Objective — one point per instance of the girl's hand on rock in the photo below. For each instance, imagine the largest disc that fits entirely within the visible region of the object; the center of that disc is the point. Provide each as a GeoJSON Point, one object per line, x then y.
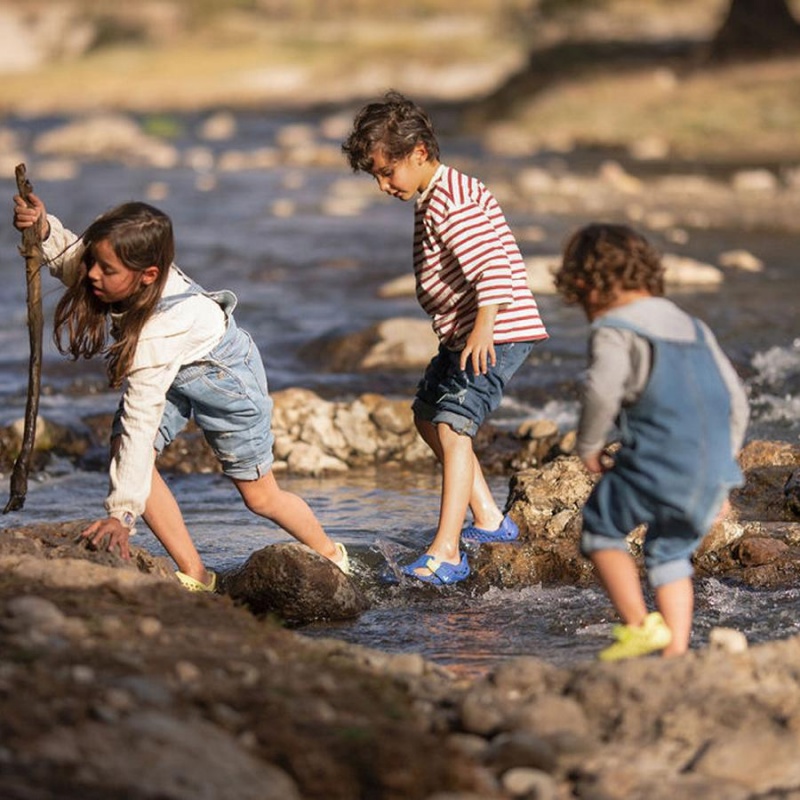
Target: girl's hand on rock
{"type": "Point", "coordinates": [109, 534]}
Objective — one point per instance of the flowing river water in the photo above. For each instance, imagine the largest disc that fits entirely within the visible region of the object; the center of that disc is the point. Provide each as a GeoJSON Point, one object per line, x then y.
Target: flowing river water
{"type": "Point", "coordinates": [305, 262]}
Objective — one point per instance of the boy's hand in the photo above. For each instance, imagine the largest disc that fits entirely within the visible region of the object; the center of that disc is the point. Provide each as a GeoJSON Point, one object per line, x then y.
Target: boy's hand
{"type": "Point", "coordinates": [108, 534]}
{"type": "Point", "coordinates": [27, 215]}
{"type": "Point", "coordinates": [481, 354]}
{"type": "Point", "coordinates": [479, 348]}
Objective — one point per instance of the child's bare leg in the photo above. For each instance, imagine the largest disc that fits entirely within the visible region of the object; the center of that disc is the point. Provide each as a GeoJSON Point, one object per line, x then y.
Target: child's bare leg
{"type": "Point", "coordinates": [675, 601]}
{"type": "Point", "coordinates": [457, 481]}
{"type": "Point", "coordinates": [264, 497]}
{"type": "Point", "coordinates": [163, 516]}
{"type": "Point", "coordinates": [620, 578]}
{"type": "Point", "coordinates": [486, 514]}
{"type": "Point", "coordinates": [485, 511]}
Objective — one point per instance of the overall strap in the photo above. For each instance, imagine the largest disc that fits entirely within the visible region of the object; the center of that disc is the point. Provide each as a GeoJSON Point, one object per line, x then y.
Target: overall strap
{"type": "Point", "coordinates": [225, 298]}
{"type": "Point", "coordinates": [611, 321]}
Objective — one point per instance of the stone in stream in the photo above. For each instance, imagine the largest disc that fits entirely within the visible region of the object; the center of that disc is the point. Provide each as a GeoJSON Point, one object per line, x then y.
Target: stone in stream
{"type": "Point", "coordinates": [296, 584]}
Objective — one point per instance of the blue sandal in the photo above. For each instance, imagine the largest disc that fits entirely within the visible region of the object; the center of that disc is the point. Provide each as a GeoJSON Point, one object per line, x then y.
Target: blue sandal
{"type": "Point", "coordinates": [507, 532]}
{"type": "Point", "coordinates": [441, 573]}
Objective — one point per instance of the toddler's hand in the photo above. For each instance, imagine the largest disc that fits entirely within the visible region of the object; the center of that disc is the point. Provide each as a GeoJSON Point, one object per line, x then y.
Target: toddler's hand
{"type": "Point", "coordinates": [593, 463]}
{"type": "Point", "coordinates": [723, 513]}
{"type": "Point", "coordinates": [601, 461]}
{"type": "Point", "coordinates": [480, 357]}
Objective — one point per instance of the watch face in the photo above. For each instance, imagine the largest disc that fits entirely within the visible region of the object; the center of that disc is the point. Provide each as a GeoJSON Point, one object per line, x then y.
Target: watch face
{"type": "Point", "coordinates": [127, 519]}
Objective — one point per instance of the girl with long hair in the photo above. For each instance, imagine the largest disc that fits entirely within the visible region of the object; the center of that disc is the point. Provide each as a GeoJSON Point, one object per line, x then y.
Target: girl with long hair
{"type": "Point", "coordinates": [178, 354]}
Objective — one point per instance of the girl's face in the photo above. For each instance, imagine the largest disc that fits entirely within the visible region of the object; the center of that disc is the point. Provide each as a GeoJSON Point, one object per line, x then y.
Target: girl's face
{"type": "Point", "coordinates": [403, 178]}
{"type": "Point", "coordinates": [110, 279]}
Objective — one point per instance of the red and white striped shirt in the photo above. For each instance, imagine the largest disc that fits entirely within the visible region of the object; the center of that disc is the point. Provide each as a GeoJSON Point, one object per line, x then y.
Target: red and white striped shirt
{"type": "Point", "coordinates": [465, 257]}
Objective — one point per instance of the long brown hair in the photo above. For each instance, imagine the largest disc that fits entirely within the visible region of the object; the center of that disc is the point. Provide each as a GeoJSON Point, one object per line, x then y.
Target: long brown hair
{"type": "Point", "coordinates": [140, 236]}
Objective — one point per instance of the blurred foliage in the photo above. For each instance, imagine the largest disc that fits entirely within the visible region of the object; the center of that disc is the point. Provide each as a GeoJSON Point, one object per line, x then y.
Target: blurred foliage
{"type": "Point", "coordinates": [204, 10]}
{"type": "Point", "coordinates": [165, 126]}
{"type": "Point", "coordinates": [560, 7]}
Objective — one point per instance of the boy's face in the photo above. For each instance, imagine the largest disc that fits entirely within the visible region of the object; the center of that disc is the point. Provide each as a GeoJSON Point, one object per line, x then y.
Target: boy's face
{"type": "Point", "coordinates": [405, 177]}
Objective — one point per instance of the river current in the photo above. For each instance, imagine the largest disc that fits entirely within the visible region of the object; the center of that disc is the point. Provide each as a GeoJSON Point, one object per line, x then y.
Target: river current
{"type": "Point", "coordinates": [306, 262]}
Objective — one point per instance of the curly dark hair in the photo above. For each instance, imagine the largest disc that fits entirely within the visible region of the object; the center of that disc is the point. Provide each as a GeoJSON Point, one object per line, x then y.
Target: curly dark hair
{"type": "Point", "coordinates": [606, 258]}
{"type": "Point", "coordinates": [395, 125]}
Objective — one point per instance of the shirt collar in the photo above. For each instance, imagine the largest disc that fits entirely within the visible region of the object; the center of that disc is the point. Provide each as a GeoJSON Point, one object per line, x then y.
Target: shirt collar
{"type": "Point", "coordinates": [433, 181]}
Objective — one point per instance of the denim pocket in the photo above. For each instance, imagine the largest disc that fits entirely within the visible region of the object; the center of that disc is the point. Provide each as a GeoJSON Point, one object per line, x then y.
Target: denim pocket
{"type": "Point", "coordinates": [510, 357]}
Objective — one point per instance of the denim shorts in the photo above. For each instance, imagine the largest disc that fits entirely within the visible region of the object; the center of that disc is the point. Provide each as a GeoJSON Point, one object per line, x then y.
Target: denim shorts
{"type": "Point", "coordinates": [460, 398]}
{"type": "Point", "coordinates": [615, 508]}
{"type": "Point", "coordinates": [226, 393]}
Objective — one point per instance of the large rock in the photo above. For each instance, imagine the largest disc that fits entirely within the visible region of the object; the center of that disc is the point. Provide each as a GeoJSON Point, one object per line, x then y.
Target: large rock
{"type": "Point", "coordinates": [108, 137]}
{"type": "Point", "coordinates": [33, 550]}
{"type": "Point", "coordinates": [296, 584]}
{"type": "Point", "coordinates": [398, 343]}
{"type": "Point", "coordinates": [757, 543]}
{"type": "Point", "coordinates": [546, 503]}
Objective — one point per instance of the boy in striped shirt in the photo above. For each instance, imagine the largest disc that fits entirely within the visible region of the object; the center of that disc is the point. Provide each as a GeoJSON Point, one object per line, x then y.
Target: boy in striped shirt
{"type": "Point", "coordinates": [471, 281]}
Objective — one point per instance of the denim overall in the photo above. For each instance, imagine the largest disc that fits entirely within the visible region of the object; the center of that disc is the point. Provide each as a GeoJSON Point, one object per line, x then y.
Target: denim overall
{"type": "Point", "coordinates": [675, 467]}
{"type": "Point", "coordinates": [226, 393]}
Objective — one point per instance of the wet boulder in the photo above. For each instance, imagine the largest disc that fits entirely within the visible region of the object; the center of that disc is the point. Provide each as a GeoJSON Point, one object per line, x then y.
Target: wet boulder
{"type": "Point", "coordinates": [50, 439]}
{"type": "Point", "coordinates": [756, 543]}
{"type": "Point", "coordinates": [294, 583]}
{"type": "Point", "coordinates": [791, 493]}
{"type": "Point", "coordinates": [393, 344]}
{"type": "Point", "coordinates": [546, 503]}
{"type": "Point", "coordinates": [771, 470]}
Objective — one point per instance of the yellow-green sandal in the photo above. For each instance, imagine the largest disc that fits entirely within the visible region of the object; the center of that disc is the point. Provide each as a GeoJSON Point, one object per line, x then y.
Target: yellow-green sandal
{"type": "Point", "coordinates": [193, 585]}
{"type": "Point", "coordinates": [344, 560]}
{"type": "Point", "coordinates": [633, 641]}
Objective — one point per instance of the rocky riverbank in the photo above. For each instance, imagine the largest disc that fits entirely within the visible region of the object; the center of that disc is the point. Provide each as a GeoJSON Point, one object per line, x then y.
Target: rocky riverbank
{"type": "Point", "coordinates": [115, 682]}
{"type": "Point", "coordinates": [757, 545]}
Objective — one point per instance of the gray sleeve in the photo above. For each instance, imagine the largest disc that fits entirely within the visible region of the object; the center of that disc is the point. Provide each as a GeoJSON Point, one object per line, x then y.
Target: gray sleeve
{"type": "Point", "coordinates": [619, 367]}
{"type": "Point", "coordinates": [740, 406]}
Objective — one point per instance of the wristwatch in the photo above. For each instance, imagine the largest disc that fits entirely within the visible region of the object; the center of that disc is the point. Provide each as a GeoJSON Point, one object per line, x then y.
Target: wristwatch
{"type": "Point", "coordinates": [126, 518]}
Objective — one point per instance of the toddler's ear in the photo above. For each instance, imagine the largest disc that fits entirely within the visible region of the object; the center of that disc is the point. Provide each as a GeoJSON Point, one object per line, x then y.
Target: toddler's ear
{"type": "Point", "coordinates": [150, 274]}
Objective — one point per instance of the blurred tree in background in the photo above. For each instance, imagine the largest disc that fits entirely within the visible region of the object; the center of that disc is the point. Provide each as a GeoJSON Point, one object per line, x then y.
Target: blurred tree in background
{"type": "Point", "coordinates": [756, 28]}
{"type": "Point", "coordinates": [750, 28]}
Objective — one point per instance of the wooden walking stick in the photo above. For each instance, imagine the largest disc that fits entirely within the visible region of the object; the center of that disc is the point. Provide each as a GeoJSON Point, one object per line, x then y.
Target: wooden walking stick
{"type": "Point", "coordinates": [31, 251]}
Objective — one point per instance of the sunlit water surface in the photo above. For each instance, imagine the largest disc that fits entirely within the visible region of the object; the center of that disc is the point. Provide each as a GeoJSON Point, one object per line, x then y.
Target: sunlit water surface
{"type": "Point", "coordinates": [315, 273]}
